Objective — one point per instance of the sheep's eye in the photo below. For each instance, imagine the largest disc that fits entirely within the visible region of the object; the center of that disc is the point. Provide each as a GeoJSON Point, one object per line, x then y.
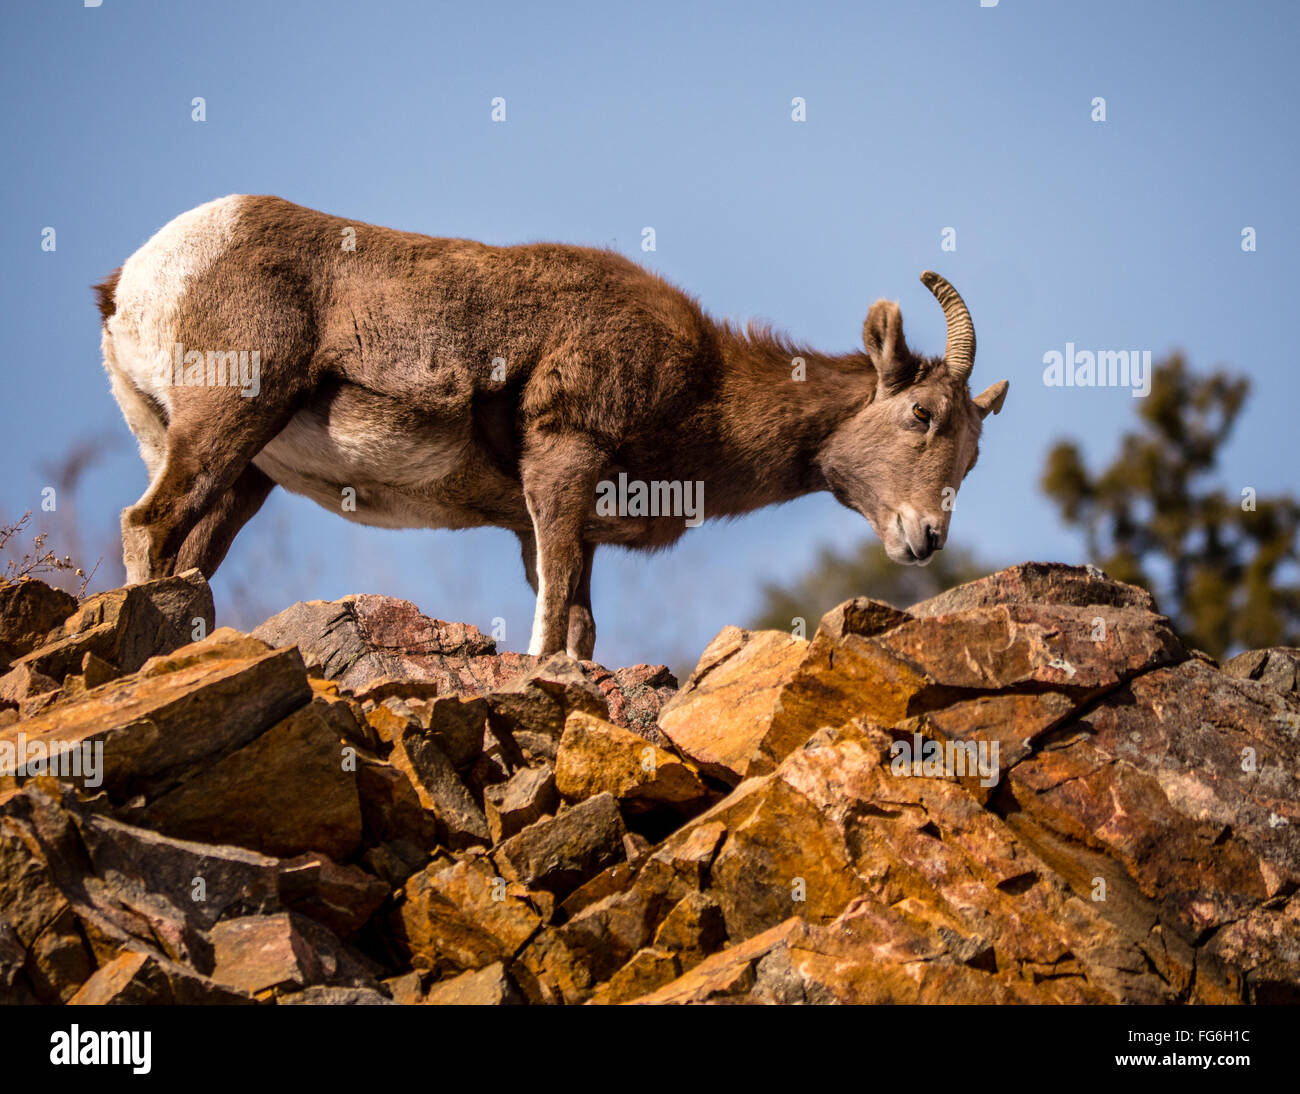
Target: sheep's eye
{"type": "Point", "coordinates": [921, 414]}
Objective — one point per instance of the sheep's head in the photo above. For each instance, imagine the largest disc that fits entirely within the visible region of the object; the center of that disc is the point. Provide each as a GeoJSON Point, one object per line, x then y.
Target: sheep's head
{"type": "Point", "coordinates": [900, 460]}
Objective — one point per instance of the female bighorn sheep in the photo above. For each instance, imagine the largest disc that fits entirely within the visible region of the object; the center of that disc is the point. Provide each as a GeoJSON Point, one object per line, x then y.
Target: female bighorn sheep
{"type": "Point", "coordinates": [408, 381]}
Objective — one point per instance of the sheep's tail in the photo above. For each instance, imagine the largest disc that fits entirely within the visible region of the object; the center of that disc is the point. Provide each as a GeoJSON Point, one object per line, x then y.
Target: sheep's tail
{"type": "Point", "coordinates": [105, 293]}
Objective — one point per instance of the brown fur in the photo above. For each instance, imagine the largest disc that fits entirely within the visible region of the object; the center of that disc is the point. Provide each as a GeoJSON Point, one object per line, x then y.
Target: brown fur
{"type": "Point", "coordinates": [608, 368]}
{"type": "Point", "coordinates": [104, 294]}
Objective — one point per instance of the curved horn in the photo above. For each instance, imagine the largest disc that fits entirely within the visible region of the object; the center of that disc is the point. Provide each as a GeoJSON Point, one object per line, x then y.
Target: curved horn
{"type": "Point", "coordinates": [960, 350]}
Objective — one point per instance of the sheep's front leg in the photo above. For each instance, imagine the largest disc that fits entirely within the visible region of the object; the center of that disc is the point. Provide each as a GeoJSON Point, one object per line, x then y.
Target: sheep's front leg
{"type": "Point", "coordinates": [559, 478]}
{"type": "Point", "coordinates": [581, 642]}
{"type": "Point", "coordinates": [582, 624]}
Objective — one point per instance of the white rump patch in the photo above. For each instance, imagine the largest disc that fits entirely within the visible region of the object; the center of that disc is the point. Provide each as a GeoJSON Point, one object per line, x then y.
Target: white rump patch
{"type": "Point", "coordinates": [151, 287]}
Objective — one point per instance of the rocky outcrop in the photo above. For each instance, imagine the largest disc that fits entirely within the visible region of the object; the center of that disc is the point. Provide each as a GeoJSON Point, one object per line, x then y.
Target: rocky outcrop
{"type": "Point", "coordinates": [1024, 790]}
{"type": "Point", "coordinates": [372, 645]}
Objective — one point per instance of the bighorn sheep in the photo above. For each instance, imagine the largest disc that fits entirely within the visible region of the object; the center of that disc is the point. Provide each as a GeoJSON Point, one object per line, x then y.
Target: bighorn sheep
{"type": "Point", "coordinates": [408, 381]}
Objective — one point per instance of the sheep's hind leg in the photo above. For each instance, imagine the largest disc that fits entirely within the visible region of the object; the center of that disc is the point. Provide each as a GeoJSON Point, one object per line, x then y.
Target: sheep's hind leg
{"type": "Point", "coordinates": [211, 442]}
{"type": "Point", "coordinates": [206, 545]}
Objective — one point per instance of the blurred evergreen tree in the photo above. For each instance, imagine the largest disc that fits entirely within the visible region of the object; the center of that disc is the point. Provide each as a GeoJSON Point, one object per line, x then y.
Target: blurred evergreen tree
{"type": "Point", "coordinates": [1216, 560]}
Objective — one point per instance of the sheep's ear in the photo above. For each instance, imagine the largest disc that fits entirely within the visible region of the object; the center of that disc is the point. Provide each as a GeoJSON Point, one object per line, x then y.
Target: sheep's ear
{"type": "Point", "coordinates": [990, 400]}
{"type": "Point", "coordinates": [882, 335]}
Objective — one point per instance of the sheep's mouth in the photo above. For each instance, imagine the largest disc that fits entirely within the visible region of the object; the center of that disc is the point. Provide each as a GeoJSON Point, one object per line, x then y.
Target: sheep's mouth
{"type": "Point", "coordinates": [907, 556]}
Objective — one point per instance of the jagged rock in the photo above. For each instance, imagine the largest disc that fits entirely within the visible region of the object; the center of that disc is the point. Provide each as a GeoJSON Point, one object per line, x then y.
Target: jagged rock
{"type": "Point", "coordinates": [22, 684]}
{"type": "Point", "coordinates": [636, 695]}
{"type": "Point", "coordinates": [154, 727]}
{"type": "Point", "coordinates": [609, 882]}
{"type": "Point", "coordinates": [933, 875]}
{"type": "Point", "coordinates": [596, 756]}
{"type": "Point", "coordinates": [681, 864]}
{"type": "Point", "coordinates": [461, 726]}
{"type": "Point", "coordinates": [287, 792]}
{"type": "Point", "coordinates": [1039, 583]}
{"type": "Point", "coordinates": [361, 640]}
{"type": "Point", "coordinates": [861, 616]}
{"type": "Point", "coordinates": [727, 976]}
{"type": "Point", "coordinates": [258, 953]}
{"type": "Point", "coordinates": [79, 889]}
{"type": "Point", "coordinates": [340, 897]}
{"type": "Point", "coordinates": [391, 807]}
{"type": "Point", "coordinates": [532, 709]}
{"type": "Point", "coordinates": [394, 687]}
{"type": "Point", "coordinates": [223, 644]}
{"type": "Point", "coordinates": [406, 990]}
{"type": "Point", "coordinates": [395, 861]}
{"type": "Point", "coordinates": [462, 915]}
{"type": "Point", "coordinates": [636, 847]}
{"type": "Point", "coordinates": [320, 995]}
{"type": "Point", "coordinates": [781, 690]}
{"type": "Point", "coordinates": [1277, 668]}
{"type": "Point", "coordinates": [1265, 945]}
{"type": "Point", "coordinates": [140, 978]}
{"type": "Point", "coordinates": [125, 627]}
{"type": "Point", "coordinates": [40, 920]}
{"type": "Point", "coordinates": [567, 962]}
{"type": "Point", "coordinates": [1015, 721]}
{"type": "Point", "coordinates": [207, 882]}
{"type": "Point", "coordinates": [1189, 779]}
{"type": "Point", "coordinates": [736, 684]}
{"type": "Point", "coordinates": [798, 962]}
{"type": "Point", "coordinates": [488, 987]}
{"type": "Point", "coordinates": [513, 805]}
{"type": "Point", "coordinates": [233, 881]}
{"type": "Point", "coordinates": [1078, 651]}
{"type": "Point", "coordinates": [458, 725]}
{"type": "Point", "coordinates": [378, 647]}
{"type": "Point", "coordinates": [14, 991]}
{"type": "Point", "coordinates": [648, 969]}
{"type": "Point", "coordinates": [274, 954]}
{"type": "Point", "coordinates": [560, 853]}
{"type": "Point", "coordinates": [30, 610]}
{"type": "Point", "coordinates": [757, 696]}
{"type": "Point", "coordinates": [94, 671]}
{"type": "Point", "coordinates": [420, 757]}
{"type": "Point", "coordinates": [693, 929]}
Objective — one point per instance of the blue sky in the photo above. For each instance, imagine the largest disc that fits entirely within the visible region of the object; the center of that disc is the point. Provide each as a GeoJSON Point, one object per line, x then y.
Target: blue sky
{"type": "Point", "coordinates": [920, 116]}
